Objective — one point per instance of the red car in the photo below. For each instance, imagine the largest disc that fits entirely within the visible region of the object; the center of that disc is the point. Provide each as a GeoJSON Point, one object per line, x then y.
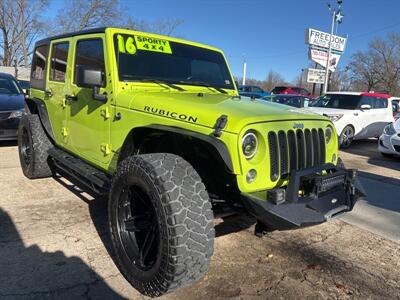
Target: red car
{"type": "Point", "coordinates": [292, 90]}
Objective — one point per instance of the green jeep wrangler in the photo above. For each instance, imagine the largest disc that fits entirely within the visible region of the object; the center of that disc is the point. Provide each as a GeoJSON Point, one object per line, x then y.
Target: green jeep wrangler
{"type": "Point", "coordinates": [157, 124]}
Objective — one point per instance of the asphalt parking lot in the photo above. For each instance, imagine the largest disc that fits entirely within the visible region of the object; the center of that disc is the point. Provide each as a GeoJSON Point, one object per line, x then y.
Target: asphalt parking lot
{"type": "Point", "coordinates": [54, 244]}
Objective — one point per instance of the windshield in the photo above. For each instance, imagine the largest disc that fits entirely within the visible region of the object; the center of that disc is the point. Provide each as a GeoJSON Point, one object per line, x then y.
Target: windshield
{"type": "Point", "coordinates": [288, 100]}
{"type": "Point", "coordinates": [278, 89]}
{"type": "Point", "coordinates": [143, 58]}
{"type": "Point", "coordinates": [24, 84]}
{"type": "Point", "coordinates": [9, 86]}
{"type": "Point", "coordinates": [295, 101]}
{"type": "Point", "coordinates": [338, 101]}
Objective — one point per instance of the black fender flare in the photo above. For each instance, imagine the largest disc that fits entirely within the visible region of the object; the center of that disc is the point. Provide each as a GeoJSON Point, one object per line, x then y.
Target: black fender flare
{"type": "Point", "coordinates": [217, 144]}
{"type": "Point", "coordinates": [37, 106]}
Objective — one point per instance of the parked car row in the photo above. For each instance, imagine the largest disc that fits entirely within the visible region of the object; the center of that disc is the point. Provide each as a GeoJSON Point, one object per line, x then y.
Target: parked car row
{"type": "Point", "coordinates": [11, 106]}
{"type": "Point", "coordinates": [257, 92]}
{"type": "Point", "coordinates": [291, 100]}
{"type": "Point", "coordinates": [356, 116]}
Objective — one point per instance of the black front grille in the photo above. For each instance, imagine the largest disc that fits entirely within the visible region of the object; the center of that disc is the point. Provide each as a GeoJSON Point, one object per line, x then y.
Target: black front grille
{"type": "Point", "coordinates": [4, 115]}
{"type": "Point", "coordinates": [397, 148]}
{"type": "Point", "coordinates": [295, 150]}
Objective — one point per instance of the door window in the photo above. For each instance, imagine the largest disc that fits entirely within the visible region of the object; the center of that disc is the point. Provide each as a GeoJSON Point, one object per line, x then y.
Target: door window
{"type": "Point", "coordinates": [39, 67]}
{"type": "Point", "coordinates": [380, 103]}
{"type": "Point", "coordinates": [90, 53]}
{"type": "Point", "coordinates": [59, 56]}
{"type": "Point", "coordinates": [366, 100]}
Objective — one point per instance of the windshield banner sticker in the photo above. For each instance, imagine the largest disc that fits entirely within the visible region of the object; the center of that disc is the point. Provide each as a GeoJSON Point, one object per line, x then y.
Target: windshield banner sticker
{"type": "Point", "coordinates": [152, 44]}
{"type": "Point", "coordinates": [127, 44]}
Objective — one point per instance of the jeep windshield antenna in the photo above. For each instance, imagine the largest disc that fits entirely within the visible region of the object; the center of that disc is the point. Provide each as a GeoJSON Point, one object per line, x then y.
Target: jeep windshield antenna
{"type": "Point", "coordinates": [205, 84]}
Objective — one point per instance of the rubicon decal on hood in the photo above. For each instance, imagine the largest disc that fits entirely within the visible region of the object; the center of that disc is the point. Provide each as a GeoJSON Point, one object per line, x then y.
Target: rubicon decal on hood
{"type": "Point", "coordinates": [170, 114]}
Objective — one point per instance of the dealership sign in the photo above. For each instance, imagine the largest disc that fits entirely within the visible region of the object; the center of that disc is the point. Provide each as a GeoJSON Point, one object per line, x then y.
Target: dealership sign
{"type": "Point", "coordinates": [316, 76]}
{"type": "Point", "coordinates": [321, 56]}
{"type": "Point", "coordinates": [321, 39]}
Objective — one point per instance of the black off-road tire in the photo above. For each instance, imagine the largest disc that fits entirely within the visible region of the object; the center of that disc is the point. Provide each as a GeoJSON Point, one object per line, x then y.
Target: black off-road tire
{"type": "Point", "coordinates": [33, 144]}
{"type": "Point", "coordinates": [160, 195]}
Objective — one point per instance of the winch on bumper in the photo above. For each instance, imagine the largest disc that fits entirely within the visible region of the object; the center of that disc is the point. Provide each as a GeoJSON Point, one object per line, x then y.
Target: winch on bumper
{"type": "Point", "coordinates": [312, 196]}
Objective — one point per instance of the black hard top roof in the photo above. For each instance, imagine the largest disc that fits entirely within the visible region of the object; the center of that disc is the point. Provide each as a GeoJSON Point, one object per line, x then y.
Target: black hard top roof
{"type": "Point", "coordinates": [70, 34]}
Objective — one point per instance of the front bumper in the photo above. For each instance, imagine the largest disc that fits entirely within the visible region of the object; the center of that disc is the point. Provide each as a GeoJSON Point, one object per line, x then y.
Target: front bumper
{"type": "Point", "coordinates": [312, 197]}
{"type": "Point", "coordinates": [9, 129]}
{"type": "Point", "coordinates": [389, 144]}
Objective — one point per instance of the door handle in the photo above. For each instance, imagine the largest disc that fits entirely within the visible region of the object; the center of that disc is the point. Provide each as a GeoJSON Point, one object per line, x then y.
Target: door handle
{"type": "Point", "coordinates": [48, 93]}
{"type": "Point", "coordinates": [71, 98]}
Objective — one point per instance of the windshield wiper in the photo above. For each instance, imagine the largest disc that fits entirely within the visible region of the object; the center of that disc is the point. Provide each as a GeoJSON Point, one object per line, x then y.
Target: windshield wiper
{"type": "Point", "coordinates": [161, 82]}
{"type": "Point", "coordinates": [205, 84]}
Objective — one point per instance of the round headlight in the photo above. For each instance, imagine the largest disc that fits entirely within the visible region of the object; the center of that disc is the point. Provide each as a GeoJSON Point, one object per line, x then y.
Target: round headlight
{"type": "Point", "coordinates": [328, 134]}
{"type": "Point", "coordinates": [249, 145]}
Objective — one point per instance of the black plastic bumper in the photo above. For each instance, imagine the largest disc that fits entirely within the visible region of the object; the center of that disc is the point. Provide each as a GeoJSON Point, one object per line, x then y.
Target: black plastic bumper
{"type": "Point", "coordinates": [312, 197]}
{"type": "Point", "coordinates": [9, 129]}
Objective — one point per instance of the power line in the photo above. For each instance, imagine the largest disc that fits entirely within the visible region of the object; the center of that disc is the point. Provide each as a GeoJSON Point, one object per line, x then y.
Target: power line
{"type": "Point", "coordinates": [268, 56]}
{"type": "Point", "coordinates": [375, 31]}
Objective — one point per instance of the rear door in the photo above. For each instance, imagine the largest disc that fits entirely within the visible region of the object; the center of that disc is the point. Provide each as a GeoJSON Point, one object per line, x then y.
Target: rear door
{"type": "Point", "coordinates": [57, 87]}
{"type": "Point", "coordinates": [366, 119]}
{"type": "Point", "coordinates": [383, 113]}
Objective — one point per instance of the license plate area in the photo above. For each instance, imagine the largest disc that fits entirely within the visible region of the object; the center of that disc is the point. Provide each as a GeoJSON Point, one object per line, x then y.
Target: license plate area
{"type": "Point", "coordinates": [329, 201]}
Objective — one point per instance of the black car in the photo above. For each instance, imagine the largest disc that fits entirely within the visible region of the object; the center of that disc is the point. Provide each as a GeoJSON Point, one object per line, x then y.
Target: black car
{"type": "Point", "coordinates": [11, 106]}
{"type": "Point", "coordinates": [291, 100]}
{"type": "Point", "coordinates": [24, 84]}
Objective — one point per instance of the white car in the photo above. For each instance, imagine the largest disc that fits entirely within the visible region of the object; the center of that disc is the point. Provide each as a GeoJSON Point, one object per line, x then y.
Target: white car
{"type": "Point", "coordinates": [356, 115]}
{"type": "Point", "coordinates": [389, 141]}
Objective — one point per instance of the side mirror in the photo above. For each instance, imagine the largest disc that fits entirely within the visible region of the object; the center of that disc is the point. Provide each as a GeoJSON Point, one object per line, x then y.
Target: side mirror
{"type": "Point", "coordinates": [88, 77]}
{"type": "Point", "coordinates": [365, 106]}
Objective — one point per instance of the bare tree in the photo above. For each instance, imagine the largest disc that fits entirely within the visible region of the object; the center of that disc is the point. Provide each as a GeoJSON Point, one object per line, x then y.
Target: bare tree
{"type": "Point", "coordinates": [77, 15]}
{"type": "Point", "coordinates": [19, 28]}
{"type": "Point", "coordinates": [377, 68]}
{"type": "Point", "coordinates": [165, 26]}
{"type": "Point", "coordinates": [272, 80]}
{"type": "Point", "coordinates": [340, 81]}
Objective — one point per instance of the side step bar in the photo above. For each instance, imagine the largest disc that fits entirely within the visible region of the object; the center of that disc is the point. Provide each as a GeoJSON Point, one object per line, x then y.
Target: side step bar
{"type": "Point", "coordinates": [94, 179]}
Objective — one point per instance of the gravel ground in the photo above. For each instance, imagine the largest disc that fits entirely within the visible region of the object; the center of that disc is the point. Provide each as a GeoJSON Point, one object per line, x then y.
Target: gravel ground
{"type": "Point", "coordinates": [54, 244]}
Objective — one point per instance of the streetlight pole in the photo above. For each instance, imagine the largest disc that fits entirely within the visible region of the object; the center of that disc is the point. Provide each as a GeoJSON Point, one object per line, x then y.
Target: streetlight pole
{"type": "Point", "coordinates": [301, 78]}
{"type": "Point", "coordinates": [336, 17]}
{"type": "Point", "coordinates": [329, 53]}
{"type": "Point", "coordinates": [244, 72]}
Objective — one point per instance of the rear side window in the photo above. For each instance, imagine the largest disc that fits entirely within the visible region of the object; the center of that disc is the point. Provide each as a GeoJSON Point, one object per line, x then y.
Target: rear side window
{"type": "Point", "coordinates": [375, 102]}
{"type": "Point", "coordinates": [380, 103]}
{"type": "Point", "coordinates": [38, 70]}
{"type": "Point", "coordinates": [90, 53]}
{"type": "Point", "coordinates": [59, 56]}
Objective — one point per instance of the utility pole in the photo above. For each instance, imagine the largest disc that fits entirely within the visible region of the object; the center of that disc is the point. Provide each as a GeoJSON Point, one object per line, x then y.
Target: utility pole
{"type": "Point", "coordinates": [244, 72]}
{"type": "Point", "coordinates": [336, 17]}
{"type": "Point", "coordinates": [301, 78]}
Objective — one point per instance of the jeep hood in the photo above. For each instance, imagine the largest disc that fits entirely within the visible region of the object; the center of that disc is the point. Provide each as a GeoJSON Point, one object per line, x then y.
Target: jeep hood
{"type": "Point", "coordinates": [204, 109]}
